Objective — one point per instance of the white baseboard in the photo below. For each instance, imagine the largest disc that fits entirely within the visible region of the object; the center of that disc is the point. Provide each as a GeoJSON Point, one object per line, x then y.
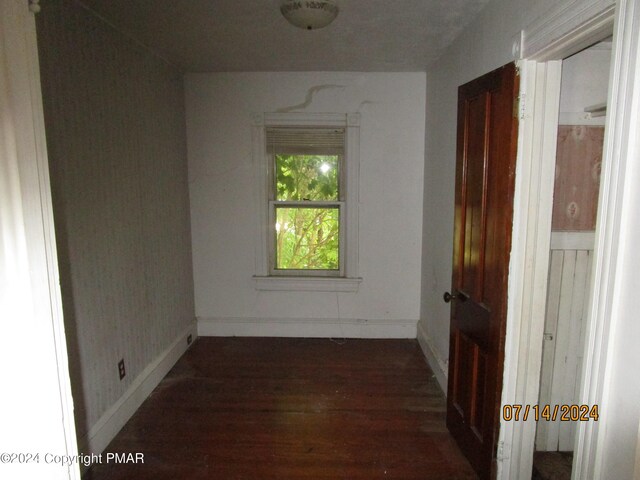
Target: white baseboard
{"type": "Point", "coordinates": [108, 426]}
{"type": "Point", "coordinates": [435, 361]}
{"type": "Point", "coordinates": [306, 328]}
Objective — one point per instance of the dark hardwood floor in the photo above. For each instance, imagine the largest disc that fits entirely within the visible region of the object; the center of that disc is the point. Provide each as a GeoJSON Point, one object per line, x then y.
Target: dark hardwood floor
{"type": "Point", "coordinates": [258, 409]}
{"type": "Point", "coordinates": [552, 465]}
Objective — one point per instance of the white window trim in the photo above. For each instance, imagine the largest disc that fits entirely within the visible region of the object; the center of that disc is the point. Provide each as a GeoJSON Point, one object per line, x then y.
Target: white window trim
{"type": "Point", "coordinates": [351, 123]}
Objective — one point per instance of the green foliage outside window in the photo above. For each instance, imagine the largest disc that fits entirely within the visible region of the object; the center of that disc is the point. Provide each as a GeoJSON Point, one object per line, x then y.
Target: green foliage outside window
{"type": "Point", "coordinates": [307, 237]}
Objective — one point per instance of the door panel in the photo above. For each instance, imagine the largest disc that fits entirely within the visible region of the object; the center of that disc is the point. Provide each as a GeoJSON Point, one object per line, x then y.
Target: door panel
{"type": "Point", "coordinates": [485, 172]}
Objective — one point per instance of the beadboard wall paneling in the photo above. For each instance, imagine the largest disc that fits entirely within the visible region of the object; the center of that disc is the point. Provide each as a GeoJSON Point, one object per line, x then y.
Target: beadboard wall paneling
{"type": "Point", "coordinates": [562, 352]}
{"type": "Point", "coordinates": [115, 127]}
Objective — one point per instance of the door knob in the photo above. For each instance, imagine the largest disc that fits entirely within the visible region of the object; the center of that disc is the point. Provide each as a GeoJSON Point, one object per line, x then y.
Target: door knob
{"type": "Point", "coordinates": [453, 296]}
{"type": "Point", "coordinates": [448, 297]}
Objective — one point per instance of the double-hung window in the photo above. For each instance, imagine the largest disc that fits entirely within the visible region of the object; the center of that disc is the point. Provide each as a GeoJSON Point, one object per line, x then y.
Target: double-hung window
{"type": "Point", "coordinates": [307, 186]}
{"type": "Point", "coordinates": [306, 201]}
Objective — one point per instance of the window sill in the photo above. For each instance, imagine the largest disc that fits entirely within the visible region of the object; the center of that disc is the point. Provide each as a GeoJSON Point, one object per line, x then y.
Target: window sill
{"type": "Point", "coordinates": [307, 284]}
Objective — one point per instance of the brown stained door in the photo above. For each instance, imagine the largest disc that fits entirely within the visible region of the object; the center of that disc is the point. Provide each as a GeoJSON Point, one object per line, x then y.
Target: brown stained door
{"type": "Point", "coordinates": [485, 172]}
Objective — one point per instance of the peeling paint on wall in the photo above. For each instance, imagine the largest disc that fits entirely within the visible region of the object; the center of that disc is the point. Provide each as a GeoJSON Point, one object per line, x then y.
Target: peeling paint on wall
{"type": "Point", "coordinates": [309, 98]}
{"type": "Point", "coordinates": [365, 103]}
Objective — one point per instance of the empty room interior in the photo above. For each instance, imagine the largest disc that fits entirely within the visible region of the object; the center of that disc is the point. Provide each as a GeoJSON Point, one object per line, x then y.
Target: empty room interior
{"type": "Point", "coordinates": [343, 239]}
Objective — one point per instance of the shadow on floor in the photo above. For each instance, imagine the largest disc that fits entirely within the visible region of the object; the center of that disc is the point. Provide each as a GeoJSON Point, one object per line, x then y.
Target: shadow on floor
{"type": "Point", "coordinates": [552, 465]}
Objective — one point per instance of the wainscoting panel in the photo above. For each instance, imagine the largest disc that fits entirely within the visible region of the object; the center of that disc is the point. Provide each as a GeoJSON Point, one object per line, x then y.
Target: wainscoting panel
{"type": "Point", "coordinates": [569, 274]}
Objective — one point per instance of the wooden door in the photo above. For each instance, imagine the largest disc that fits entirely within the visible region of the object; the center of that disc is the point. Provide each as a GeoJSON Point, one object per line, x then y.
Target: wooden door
{"type": "Point", "coordinates": [485, 172]}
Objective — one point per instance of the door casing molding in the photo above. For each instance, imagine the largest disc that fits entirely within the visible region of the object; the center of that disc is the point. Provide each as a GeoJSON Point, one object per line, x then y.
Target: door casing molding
{"type": "Point", "coordinates": [567, 31]}
{"type": "Point", "coordinates": [535, 168]}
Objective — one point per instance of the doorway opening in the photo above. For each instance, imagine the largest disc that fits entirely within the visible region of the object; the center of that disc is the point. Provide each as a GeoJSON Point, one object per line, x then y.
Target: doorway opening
{"type": "Point", "coordinates": [581, 126]}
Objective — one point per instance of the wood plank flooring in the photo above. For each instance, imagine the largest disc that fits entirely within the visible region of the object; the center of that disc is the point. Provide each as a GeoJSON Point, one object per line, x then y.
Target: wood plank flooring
{"type": "Point", "coordinates": [282, 408]}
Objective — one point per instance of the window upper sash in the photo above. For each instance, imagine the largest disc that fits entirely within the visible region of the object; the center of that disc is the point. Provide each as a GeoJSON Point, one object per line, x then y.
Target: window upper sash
{"type": "Point", "coordinates": [305, 141]}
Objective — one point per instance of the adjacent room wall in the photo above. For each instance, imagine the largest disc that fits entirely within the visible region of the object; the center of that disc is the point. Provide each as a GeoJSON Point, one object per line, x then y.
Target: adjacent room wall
{"type": "Point", "coordinates": [575, 202]}
{"type": "Point", "coordinates": [220, 109]}
{"type": "Point", "coordinates": [585, 81]}
{"type": "Point", "coordinates": [585, 78]}
{"type": "Point", "coordinates": [116, 140]}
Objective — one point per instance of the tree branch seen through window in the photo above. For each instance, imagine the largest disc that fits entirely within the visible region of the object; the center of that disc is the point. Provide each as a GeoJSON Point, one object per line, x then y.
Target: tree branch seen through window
{"type": "Point", "coordinates": [307, 212]}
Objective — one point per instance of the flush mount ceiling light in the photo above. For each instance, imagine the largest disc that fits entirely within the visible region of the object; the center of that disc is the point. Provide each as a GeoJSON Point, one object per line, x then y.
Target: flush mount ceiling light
{"type": "Point", "coordinates": [309, 14]}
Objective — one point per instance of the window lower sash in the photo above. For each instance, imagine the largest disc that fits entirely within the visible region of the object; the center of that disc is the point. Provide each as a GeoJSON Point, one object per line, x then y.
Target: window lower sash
{"type": "Point", "coordinates": [301, 251]}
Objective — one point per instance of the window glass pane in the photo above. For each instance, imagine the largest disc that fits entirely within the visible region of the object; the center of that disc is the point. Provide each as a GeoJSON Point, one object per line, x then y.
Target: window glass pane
{"type": "Point", "coordinates": [307, 238]}
{"type": "Point", "coordinates": [306, 177]}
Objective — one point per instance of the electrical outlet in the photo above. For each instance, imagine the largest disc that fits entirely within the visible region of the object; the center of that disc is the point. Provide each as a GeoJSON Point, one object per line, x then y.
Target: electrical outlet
{"type": "Point", "coordinates": [122, 372]}
{"type": "Point", "coordinates": [189, 339]}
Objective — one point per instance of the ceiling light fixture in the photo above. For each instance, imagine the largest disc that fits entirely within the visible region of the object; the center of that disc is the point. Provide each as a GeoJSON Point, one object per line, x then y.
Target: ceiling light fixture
{"type": "Point", "coordinates": [309, 14]}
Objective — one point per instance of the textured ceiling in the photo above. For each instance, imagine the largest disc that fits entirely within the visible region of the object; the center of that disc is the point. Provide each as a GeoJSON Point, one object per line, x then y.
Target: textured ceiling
{"type": "Point", "coordinates": [252, 35]}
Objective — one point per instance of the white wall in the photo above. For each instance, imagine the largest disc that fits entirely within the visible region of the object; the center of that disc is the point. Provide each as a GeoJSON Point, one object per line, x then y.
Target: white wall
{"type": "Point", "coordinates": [116, 140]}
{"type": "Point", "coordinates": [585, 81]}
{"type": "Point", "coordinates": [224, 212]}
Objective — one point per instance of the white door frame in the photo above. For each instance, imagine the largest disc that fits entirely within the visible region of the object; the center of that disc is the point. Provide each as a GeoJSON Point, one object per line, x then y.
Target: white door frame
{"type": "Point", "coordinates": [36, 326]}
{"type": "Point", "coordinates": [565, 30]}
